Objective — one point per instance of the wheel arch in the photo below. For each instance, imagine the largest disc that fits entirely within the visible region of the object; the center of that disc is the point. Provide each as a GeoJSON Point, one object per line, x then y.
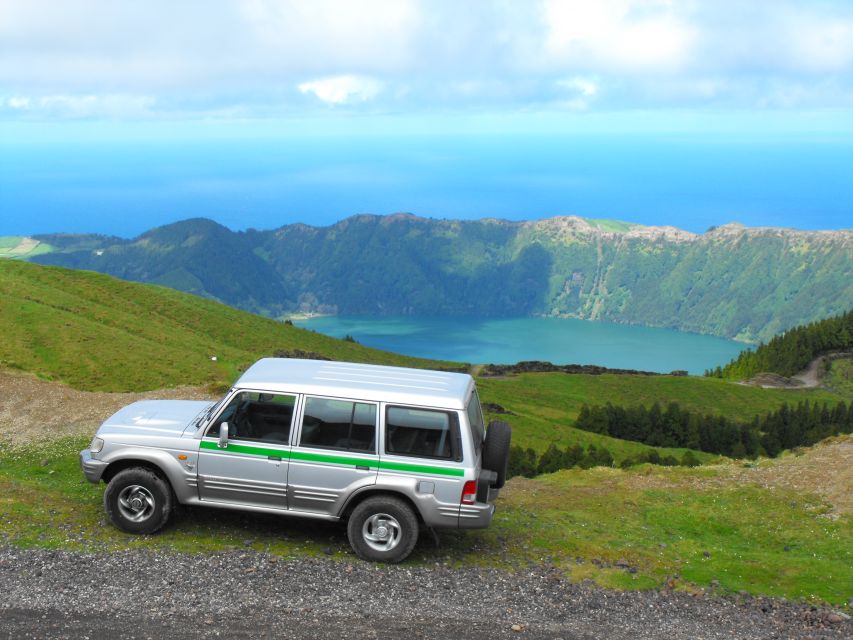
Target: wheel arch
{"type": "Point", "coordinates": [372, 492]}
{"type": "Point", "coordinates": [114, 468]}
{"type": "Point", "coordinates": [159, 462]}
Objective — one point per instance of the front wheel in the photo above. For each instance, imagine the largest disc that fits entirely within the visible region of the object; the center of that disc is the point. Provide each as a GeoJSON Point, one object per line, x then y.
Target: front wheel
{"type": "Point", "coordinates": [137, 500]}
{"type": "Point", "coordinates": [383, 529]}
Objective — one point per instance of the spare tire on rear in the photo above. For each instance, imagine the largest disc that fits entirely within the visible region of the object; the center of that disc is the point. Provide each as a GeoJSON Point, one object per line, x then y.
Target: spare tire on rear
{"type": "Point", "coordinates": [496, 450]}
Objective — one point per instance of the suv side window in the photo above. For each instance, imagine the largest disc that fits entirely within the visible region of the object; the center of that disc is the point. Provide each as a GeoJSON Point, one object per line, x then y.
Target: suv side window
{"type": "Point", "coordinates": [475, 419]}
{"type": "Point", "coordinates": [425, 433]}
{"type": "Point", "coordinates": [339, 424]}
{"type": "Point", "coordinates": [263, 417]}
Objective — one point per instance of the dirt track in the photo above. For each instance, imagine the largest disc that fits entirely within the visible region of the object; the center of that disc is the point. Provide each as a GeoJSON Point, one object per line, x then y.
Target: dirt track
{"type": "Point", "coordinates": [33, 410]}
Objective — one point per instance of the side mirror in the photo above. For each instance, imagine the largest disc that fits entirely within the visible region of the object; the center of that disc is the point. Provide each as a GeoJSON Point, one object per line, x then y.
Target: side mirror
{"type": "Point", "coordinates": [223, 435]}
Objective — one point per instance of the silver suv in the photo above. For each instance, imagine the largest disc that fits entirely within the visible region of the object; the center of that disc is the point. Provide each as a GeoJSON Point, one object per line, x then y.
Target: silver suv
{"type": "Point", "coordinates": [384, 449]}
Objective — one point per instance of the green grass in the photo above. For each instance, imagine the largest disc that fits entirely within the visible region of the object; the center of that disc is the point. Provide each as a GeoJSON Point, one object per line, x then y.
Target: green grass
{"type": "Point", "coordinates": [9, 242]}
{"type": "Point", "coordinates": [689, 523]}
{"type": "Point", "coordinates": [839, 378]}
{"type": "Point", "coordinates": [16, 247]}
{"type": "Point", "coordinates": [547, 404]}
{"type": "Point", "coordinates": [606, 224]}
{"type": "Point", "coordinates": [661, 521]}
{"type": "Point", "coordinates": [95, 332]}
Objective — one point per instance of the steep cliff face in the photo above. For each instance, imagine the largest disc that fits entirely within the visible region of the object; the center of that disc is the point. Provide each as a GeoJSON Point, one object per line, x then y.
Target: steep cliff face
{"type": "Point", "coordinates": [748, 283]}
{"type": "Point", "coordinates": [735, 281]}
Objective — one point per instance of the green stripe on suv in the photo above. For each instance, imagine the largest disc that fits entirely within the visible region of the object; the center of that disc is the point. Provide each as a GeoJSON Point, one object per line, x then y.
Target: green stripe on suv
{"type": "Point", "coordinates": [331, 459]}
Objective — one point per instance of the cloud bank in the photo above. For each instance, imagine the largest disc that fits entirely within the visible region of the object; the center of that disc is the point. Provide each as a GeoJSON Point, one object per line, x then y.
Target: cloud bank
{"type": "Point", "coordinates": [108, 59]}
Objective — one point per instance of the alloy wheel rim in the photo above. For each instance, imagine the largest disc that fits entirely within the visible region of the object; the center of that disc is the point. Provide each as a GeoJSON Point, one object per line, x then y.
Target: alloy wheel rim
{"type": "Point", "coordinates": [136, 503]}
{"type": "Point", "coordinates": [381, 532]}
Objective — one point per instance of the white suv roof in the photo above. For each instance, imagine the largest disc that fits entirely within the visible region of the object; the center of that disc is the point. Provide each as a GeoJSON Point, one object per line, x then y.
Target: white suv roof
{"type": "Point", "coordinates": [359, 381]}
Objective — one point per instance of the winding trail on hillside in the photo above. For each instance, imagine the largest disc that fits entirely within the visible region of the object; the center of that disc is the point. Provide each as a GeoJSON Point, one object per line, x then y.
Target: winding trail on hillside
{"type": "Point", "coordinates": [808, 378]}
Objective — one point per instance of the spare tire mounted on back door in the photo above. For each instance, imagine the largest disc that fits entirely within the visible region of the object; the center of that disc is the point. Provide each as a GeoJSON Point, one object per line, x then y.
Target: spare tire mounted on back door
{"type": "Point", "coordinates": [496, 450]}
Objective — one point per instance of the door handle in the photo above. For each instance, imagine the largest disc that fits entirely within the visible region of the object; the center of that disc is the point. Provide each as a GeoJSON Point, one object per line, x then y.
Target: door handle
{"type": "Point", "coordinates": [274, 458]}
{"type": "Point", "coordinates": [362, 467]}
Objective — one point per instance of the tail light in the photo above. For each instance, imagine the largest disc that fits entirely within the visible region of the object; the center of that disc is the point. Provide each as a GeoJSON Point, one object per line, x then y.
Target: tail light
{"type": "Point", "coordinates": [469, 492]}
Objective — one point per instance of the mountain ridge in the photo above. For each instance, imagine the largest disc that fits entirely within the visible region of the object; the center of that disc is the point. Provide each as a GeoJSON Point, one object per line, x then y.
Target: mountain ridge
{"type": "Point", "coordinates": [747, 283]}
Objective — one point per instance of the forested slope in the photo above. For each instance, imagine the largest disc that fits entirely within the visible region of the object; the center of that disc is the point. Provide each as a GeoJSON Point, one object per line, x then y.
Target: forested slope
{"type": "Point", "coordinates": [788, 353]}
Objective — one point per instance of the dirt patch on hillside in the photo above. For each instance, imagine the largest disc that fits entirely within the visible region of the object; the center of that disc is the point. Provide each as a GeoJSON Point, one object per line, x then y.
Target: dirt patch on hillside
{"type": "Point", "coordinates": [825, 469]}
{"type": "Point", "coordinates": [33, 410]}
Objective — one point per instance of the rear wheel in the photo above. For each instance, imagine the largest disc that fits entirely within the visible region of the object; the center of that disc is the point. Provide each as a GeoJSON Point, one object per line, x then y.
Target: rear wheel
{"type": "Point", "coordinates": [383, 529]}
{"type": "Point", "coordinates": [137, 500]}
{"type": "Point", "coordinates": [496, 450]}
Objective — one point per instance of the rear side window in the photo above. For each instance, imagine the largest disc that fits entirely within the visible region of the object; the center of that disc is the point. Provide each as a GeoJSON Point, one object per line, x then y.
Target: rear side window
{"type": "Point", "coordinates": [475, 419]}
{"type": "Point", "coordinates": [339, 424]}
{"type": "Point", "coordinates": [421, 432]}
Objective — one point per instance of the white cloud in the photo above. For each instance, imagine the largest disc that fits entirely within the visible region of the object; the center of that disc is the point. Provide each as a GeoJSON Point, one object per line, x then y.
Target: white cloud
{"type": "Point", "coordinates": [343, 89]}
{"type": "Point", "coordinates": [323, 35]}
{"type": "Point", "coordinates": [580, 91]}
{"type": "Point", "coordinates": [821, 45]}
{"type": "Point", "coordinates": [585, 87]}
{"type": "Point", "coordinates": [82, 106]}
{"type": "Point", "coordinates": [253, 58]}
{"type": "Point", "coordinates": [617, 34]}
{"type": "Point", "coordinates": [18, 102]}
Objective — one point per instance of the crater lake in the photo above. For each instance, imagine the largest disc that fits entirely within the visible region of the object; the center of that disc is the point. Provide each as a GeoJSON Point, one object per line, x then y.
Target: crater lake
{"type": "Point", "coordinates": [510, 340]}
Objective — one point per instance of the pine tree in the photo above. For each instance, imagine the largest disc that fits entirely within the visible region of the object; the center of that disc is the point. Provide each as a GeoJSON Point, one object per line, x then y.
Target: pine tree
{"type": "Point", "coordinates": [551, 460]}
{"type": "Point", "coordinates": [689, 459]}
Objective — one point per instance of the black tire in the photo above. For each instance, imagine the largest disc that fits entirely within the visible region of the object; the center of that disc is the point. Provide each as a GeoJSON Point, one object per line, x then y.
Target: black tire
{"type": "Point", "coordinates": [137, 500]}
{"type": "Point", "coordinates": [496, 450]}
{"type": "Point", "coordinates": [383, 529]}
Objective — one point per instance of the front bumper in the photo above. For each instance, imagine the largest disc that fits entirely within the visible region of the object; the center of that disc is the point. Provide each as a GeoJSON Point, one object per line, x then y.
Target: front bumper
{"type": "Point", "coordinates": [92, 469]}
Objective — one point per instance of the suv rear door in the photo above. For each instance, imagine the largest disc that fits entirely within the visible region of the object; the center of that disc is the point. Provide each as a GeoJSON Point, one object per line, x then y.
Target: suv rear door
{"type": "Point", "coordinates": [335, 454]}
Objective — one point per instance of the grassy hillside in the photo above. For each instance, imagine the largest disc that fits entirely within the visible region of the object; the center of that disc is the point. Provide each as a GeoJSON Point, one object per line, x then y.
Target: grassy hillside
{"type": "Point", "coordinates": [546, 404]}
{"type": "Point", "coordinates": [98, 333]}
{"type": "Point", "coordinates": [22, 247]}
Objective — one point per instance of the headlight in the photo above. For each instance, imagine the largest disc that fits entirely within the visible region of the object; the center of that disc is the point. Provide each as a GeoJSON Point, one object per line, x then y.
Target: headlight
{"type": "Point", "coordinates": [96, 445]}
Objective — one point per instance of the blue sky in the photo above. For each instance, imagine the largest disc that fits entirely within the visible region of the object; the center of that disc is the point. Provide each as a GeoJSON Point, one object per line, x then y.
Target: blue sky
{"type": "Point", "coordinates": [330, 64]}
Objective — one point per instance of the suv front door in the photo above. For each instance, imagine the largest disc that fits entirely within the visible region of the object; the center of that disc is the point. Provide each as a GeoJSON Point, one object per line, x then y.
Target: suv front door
{"type": "Point", "coordinates": [252, 468]}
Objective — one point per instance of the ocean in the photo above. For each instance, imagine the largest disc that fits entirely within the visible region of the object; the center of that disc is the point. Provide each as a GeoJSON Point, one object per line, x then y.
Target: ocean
{"type": "Point", "coordinates": [125, 188]}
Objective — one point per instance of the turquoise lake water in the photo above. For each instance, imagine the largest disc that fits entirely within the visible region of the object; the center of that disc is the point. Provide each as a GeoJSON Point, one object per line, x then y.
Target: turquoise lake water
{"type": "Point", "coordinates": [509, 340]}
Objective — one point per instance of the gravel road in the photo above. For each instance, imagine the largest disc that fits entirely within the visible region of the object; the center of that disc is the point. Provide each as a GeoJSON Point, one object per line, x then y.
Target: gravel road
{"type": "Point", "coordinates": [138, 594]}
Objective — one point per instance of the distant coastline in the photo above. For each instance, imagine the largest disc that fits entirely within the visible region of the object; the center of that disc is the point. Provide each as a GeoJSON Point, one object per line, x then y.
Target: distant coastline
{"type": "Point", "coordinates": [307, 315]}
